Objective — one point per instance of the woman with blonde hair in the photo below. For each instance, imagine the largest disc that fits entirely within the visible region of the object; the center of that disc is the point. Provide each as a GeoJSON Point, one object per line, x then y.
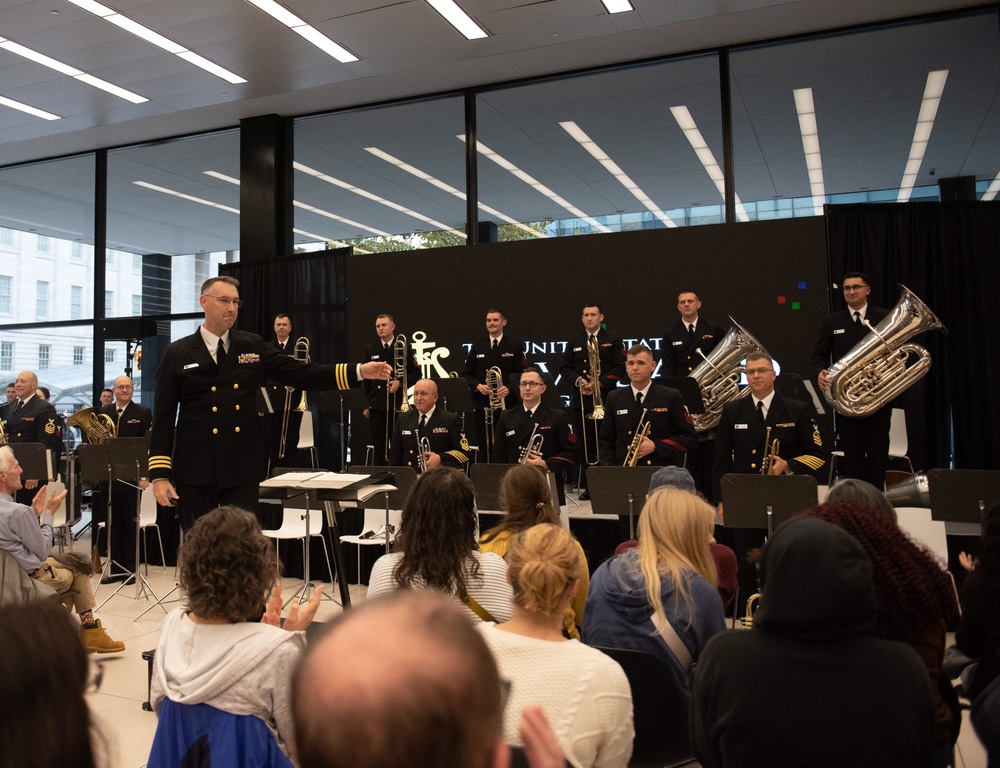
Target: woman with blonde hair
{"type": "Point", "coordinates": [585, 694]}
{"type": "Point", "coordinates": [660, 597]}
{"type": "Point", "coordinates": [526, 500]}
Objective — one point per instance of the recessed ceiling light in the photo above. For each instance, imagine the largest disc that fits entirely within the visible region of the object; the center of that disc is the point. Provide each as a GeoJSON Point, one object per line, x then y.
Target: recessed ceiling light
{"type": "Point", "coordinates": [189, 198]}
{"type": "Point", "coordinates": [150, 36]}
{"type": "Point", "coordinates": [458, 18]}
{"type": "Point", "coordinates": [617, 6]}
{"type": "Point", "coordinates": [30, 110]}
{"type": "Point", "coordinates": [809, 131]}
{"type": "Point", "coordinates": [302, 28]}
{"type": "Point", "coordinates": [933, 89]}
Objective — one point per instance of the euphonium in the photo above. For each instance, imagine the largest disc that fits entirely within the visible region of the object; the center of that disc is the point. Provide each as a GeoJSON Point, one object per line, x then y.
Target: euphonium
{"type": "Point", "coordinates": [641, 432]}
{"type": "Point", "coordinates": [718, 375]}
{"type": "Point", "coordinates": [533, 447]}
{"type": "Point", "coordinates": [875, 371]}
{"type": "Point", "coordinates": [594, 359]}
{"type": "Point", "coordinates": [98, 427]}
{"type": "Point", "coordinates": [399, 369]}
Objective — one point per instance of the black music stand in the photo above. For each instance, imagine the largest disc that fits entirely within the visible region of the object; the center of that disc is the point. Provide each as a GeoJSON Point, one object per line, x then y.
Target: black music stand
{"type": "Point", "coordinates": [342, 402]}
{"type": "Point", "coordinates": [455, 394]}
{"type": "Point", "coordinates": [486, 480]}
{"type": "Point", "coordinates": [33, 460]}
{"type": "Point", "coordinates": [962, 495]}
{"type": "Point", "coordinates": [619, 491]}
{"type": "Point", "coordinates": [689, 389]}
{"type": "Point", "coordinates": [95, 468]}
{"type": "Point", "coordinates": [765, 501]}
{"type": "Point", "coordinates": [129, 457]}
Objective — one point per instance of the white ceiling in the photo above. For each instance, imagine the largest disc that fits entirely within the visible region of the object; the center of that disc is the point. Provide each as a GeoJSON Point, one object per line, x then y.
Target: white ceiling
{"type": "Point", "coordinates": [870, 94]}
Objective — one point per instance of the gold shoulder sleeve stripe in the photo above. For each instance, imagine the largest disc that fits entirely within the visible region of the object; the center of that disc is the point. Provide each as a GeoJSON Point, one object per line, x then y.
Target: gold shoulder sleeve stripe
{"type": "Point", "coordinates": [458, 456]}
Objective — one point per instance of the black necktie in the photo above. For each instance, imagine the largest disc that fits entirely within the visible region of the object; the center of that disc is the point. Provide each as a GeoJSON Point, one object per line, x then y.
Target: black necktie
{"type": "Point", "coordinates": [857, 317]}
{"type": "Point", "coordinates": [120, 413]}
{"type": "Point", "coordinates": [691, 329]}
{"type": "Point", "coordinates": [17, 407]}
{"type": "Point", "coordinates": [385, 347]}
{"type": "Point", "coordinates": [760, 410]}
{"type": "Point", "coordinates": [638, 398]}
{"type": "Point", "coordinates": [282, 344]}
{"type": "Point", "coordinates": [528, 414]}
{"type": "Point", "coordinates": [495, 343]}
{"type": "Point", "coordinates": [220, 354]}
{"type": "Point", "coordinates": [423, 422]}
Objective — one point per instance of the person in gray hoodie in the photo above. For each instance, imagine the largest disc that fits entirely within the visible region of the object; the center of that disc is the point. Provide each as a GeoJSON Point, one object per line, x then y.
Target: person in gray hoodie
{"type": "Point", "coordinates": [810, 685]}
{"type": "Point", "coordinates": [214, 650]}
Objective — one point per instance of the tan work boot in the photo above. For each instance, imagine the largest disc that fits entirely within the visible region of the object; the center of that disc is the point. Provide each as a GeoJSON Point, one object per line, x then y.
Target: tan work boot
{"type": "Point", "coordinates": [97, 640]}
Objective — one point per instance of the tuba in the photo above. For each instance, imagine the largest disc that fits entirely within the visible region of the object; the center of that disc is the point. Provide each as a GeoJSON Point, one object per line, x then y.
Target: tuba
{"type": "Point", "coordinates": [718, 375]}
{"type": "Point", "coordinates": [97, 427]}
{"type": "Point", "coordinates": [875, 371]}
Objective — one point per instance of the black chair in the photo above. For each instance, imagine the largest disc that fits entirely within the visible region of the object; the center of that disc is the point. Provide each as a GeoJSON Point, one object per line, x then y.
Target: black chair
{"type": "Point", "coordinates": [661, 720]}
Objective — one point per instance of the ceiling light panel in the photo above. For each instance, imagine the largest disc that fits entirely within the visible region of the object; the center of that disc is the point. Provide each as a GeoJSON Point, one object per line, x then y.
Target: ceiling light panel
{"type": "Point", "coordinates": [458, 18]}
{"type": "Point", "coordinates": [809, 130]}
{"type": "Point", "coordinates": [301, 27]}
{"type": "Point", "coordinates": [28, 109]}
{"type": "Point", "coordinates": [617, 6]}
{"type": "Point", "coordinates": [933, 90]}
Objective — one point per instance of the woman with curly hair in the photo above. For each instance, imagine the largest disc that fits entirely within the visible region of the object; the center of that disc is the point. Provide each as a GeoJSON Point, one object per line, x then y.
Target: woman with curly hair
{"type": "Point", "coordinates": [661, 597]}
{"type": "Point", "coordinates": [223, 649]}
{"type": "Point", "coordinates": [526, 500]}
{"type": "Point", "coordinates": [915, 601]}
{"type": "Point", "coordinates": [437, 548]}
{"type": "Point", "coordinates": [852, 489]}
{"type": "Point", "coordinates": [585, 694]}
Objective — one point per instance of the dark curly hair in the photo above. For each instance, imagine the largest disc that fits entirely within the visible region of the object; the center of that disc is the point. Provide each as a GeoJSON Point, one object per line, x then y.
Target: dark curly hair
{"type": "Point", "coordinates": [911, 588]}
{"type": "Point", "coordinates": [437, 533]}
{"type": "Point", "coordinates": [526, 499]}
{"type": "Point", "coordinates": [227, 567]}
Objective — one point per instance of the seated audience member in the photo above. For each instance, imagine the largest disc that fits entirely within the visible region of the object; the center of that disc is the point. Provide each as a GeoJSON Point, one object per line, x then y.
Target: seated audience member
{"type": "Point", "coordinates": [809, 685]}
{"type": "Point", "coordinates": [978, 634]}
{"type": "Point", "coordinates": [406, 682]}
{"type": "Point", "coordinates": [852, 489]}
{"type": "Point", "coordinates": [585, 694]}
{"type": "Point", "coordinates": [914, 599]}
{"type": "Point", "coordinates": [526, 500]}
{"type": "Point", "coordinates": [660, 597]}
{"type": "Point", "coordinates": [724, 557]}
{"type": "Point", "coordinates": [214, 650]}
{"type": "Point", "coordinates": [437, 548]}
{"type": "Point", "coordinates": [46, 722]}
{"type": "Point", "coordinates": [26, 533]}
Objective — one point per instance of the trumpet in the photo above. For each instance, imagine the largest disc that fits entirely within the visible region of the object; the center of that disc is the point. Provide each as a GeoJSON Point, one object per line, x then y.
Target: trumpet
{"type": "Point", "coordinates": [97, 427]}
{"type": "Point", "coordinates": [747, 619]}
{"type": "Point", "coordinates": [641, 432]}
{"type": "Point", "coordinates": [299, 352]}
{"type": "Point", "coordinates": [771, 448]}
{"type": "Point", "coordinates": [533, 447]}
{"type": "Point", "coordinates": [423, 447]}
{"type": "Point", "coordinates": [399, 373]}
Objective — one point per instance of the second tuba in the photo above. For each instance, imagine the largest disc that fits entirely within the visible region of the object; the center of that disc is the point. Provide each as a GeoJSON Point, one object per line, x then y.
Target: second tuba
{"type": "Point", "coordinates": [876, 370]}
{"type": "Point", "coordinates": [718, 375]}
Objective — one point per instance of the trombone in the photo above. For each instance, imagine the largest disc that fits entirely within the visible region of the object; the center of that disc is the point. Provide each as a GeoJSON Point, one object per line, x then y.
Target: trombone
{"type": "Point", "coordinates": [299, 352]}
{"type": "Point", "coordinates": [594, 363]}
{"type": "Point", "coordinates": [399, 349]}
{"type": "Point", "coordinates": [641, 432]}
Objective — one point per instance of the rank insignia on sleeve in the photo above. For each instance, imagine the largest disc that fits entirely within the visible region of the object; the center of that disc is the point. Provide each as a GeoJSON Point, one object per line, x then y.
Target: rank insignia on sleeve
{"type": "Point", "coordinates": [817, 437]}
{"type": "Point", "coordinates": [464, 443]}
{"type": "Point", "coordinates": [50, 427]}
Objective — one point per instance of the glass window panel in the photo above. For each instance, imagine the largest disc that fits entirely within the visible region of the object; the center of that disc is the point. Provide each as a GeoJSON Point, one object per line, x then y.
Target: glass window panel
{"type": "Point", "coordinates": [51, 201]}
{"type": "Point", "coordinates": [78, 353]}
{"type": "Point", "coordinates": [859, 97]}
{"type": "Point", "coordinates": [44, 356]}
{"type": "Point", "coordinates": [5, 305]}
{"type": "Point", "coordinates": [394, 177]}
{"type": "Point", "coordinates": [41, 300]}
{"type": "Point", "coordinates": [635, 148]}
{"type": "Point", "coordinates": [7, 356]}
{"type": "Point", "coordinates": [75, 302]}
{"type": "Point", "coordinates": [173, 217]}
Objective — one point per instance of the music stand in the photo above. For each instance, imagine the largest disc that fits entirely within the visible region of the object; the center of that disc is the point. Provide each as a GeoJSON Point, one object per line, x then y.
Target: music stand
{"type": "Point", "coordinates": [129, 457]}
{"type": "Point", "coordinates": [456, 396]}
{"type": "Point", "coordinates": [486, 480]}
{"type": "Point", "coordinates": [619, 491]}
{"type": "Point", "coordinates": [34, 461]}
{"type": "Point", "coordinates": [95, 468]}
{"type": "Point", "coordinates": [689, 389]}
{"type": "Point", "coordinates": [764, 501]}
{"type": "Point", "coordinates": [963, 495]}
{"type": "Point", "coordinates": [343, 402]}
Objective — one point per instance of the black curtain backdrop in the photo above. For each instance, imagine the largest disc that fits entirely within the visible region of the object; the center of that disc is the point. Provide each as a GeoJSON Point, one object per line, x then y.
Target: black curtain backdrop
{"type": "Point", "coordinates": [311, 289]}
{"type": "Point", "coordinates": [946, 253]}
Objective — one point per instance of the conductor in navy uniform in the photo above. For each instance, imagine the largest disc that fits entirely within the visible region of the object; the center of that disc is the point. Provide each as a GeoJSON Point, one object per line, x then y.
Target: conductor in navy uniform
{"type": "Point", "coordinates": [671, 433]}
{"type": "Point", "coordinates": [206, 431]}
{"type": "Point", "coordinates": [560, 449]}
{"type": "Point", "coordinates": [864, 441]}
{"type": "Point", "coordinates": [448, 446]}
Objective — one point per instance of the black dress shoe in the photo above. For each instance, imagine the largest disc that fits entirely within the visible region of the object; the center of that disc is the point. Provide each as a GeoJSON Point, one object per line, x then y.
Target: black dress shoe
{"type": "Point", "coordinates": [584, 495]}
{"type": "Point", "coordinates": [114, 578]}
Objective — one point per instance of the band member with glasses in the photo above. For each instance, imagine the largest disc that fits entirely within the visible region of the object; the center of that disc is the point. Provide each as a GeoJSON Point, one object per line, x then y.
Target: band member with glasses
{"type": "Point", "coordinates": [206, 433]}
{"type": "Point", "coordinates": [494, 350]}
{"type": "Point", "coordinates": [671, 434]}
{"type": "Point", "coordinates": [442, 430]}
{"type": "Point", "coordinates": [864, 441]}
{"type": "Point", "coordinates": [559, 449]}
{"type": "Point", "coordinates": [576, 365]}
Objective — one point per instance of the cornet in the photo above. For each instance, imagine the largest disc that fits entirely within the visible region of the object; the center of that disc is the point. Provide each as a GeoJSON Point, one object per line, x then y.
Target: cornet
{"type": "Point", "coordinates": [299, 352]}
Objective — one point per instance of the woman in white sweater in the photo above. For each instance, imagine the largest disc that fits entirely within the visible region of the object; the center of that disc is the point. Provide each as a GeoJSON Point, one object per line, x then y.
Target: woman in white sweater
{"type": "Point", "coordinates": [437, 548]}
{"type": "Point", "coordinates": [584, 693]}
